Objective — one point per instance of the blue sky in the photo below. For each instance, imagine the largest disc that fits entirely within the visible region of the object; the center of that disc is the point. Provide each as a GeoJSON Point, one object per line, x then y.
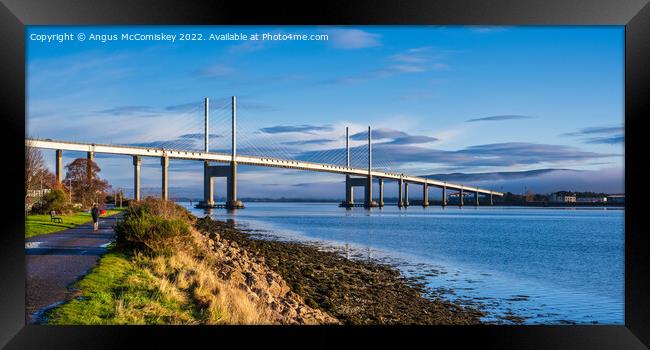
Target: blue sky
{"type": "Point", "coordinates": [440, 99]}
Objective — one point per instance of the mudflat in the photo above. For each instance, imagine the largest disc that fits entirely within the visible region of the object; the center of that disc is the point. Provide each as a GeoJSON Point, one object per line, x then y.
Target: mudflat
{"type": "Point", "coordinates": [353, 291]}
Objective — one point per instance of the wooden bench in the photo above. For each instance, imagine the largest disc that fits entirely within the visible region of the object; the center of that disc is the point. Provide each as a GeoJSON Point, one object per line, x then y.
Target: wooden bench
{"type": "Point", "coordinates": [54, 218]}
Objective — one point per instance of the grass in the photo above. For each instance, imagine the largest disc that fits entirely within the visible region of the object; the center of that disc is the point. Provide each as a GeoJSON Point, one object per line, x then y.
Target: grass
{"type": "Point", "coordinates": [140, 289]}
{"type": "Point", "coordinates": [118, 291]}
{"type": "Point", "coordinates": [136, 286]}
{"type": "Point", "coordinates": [40, 224]}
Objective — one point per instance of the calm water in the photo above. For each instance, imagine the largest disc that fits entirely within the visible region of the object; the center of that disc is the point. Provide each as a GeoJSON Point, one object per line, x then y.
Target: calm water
{"type": "Point", "coordinates": [547, 265]}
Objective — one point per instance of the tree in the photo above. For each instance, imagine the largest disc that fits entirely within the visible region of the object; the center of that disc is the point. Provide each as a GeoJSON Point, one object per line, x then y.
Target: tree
{"type": "Point", "coordinates": [56, 200]}
{"type": "Point", "coordinates": [37, 176]}
{"type": "Point", "coordinates": [529, 196]}
{"type": "Point", "coordinates": [86, 185]}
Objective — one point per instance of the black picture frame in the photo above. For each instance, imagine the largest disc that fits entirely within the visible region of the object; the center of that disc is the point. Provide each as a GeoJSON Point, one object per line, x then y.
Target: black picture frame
{"type": "Point", "coordinates": [633, 14]}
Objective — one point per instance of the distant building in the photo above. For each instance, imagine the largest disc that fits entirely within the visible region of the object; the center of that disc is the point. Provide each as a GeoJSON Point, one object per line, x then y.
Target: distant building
{"type": "Point", "coordinates": [616, 198]}
{"type": "Point", "coordinates": [591, 199]}
{"type": "Point", "coordinates": [37, 193]}
{"type": "Point", "coordinates": [563, 198]}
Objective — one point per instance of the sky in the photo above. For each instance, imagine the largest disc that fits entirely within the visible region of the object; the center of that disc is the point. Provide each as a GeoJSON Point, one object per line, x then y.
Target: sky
{"type": "Point", "coordinates": [440, 100]}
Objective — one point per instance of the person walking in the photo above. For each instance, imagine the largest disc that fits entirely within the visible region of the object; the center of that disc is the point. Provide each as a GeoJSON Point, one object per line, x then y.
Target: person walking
{"type": "Point", "coordinates": [95, 214]}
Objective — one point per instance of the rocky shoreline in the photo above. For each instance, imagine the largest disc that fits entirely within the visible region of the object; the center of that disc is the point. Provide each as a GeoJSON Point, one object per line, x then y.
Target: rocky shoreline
{"type": "Point", "coordinates": [333, 288]}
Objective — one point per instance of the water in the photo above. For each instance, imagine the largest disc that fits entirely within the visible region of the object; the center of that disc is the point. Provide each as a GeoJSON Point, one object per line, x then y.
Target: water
{"type": "Point", "coordinates": [547, 265]}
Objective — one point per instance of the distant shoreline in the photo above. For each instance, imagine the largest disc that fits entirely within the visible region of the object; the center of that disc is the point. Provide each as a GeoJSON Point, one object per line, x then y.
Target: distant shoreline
{"type": "Point", "coordinates": [413, 203]}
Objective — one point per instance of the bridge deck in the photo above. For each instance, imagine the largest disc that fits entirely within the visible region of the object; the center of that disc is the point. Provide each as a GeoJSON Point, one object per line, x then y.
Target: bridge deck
{"type": "Point", "coordinates": [242, 159]}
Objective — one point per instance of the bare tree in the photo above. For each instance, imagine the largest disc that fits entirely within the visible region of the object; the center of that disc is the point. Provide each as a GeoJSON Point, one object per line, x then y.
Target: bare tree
{"type": "Point", "coordinates": [37, 176]}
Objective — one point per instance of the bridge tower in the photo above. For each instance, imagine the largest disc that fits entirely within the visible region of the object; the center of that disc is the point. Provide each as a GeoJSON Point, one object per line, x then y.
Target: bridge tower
{"type": "Point", "coordinates": [231, 201]}
{"type": "Point", "coordinates": [349, 189]}
{"type": "Point", "coordinates": [365, 182]}
{"type": "Point", "coordinates": [368, 202]}
{"type": "Point", "coordinates": [227, 171]}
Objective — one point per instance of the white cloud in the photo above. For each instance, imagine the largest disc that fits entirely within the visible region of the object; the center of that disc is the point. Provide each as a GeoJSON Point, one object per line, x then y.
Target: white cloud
{"type": "Point", "coordinates": [218, 70]}
{"type": "Point", "coordinates": [350, 39]}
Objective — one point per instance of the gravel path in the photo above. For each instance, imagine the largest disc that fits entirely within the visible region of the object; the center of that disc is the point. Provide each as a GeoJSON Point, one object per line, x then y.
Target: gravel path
{"type": "Point", "coordinates": [54, 261]}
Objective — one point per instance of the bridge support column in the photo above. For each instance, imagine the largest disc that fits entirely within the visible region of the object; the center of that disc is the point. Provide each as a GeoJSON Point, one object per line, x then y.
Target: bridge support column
{"type": "Point", "coordinates": [461, 198]}
{"type": "Point", "coordinates": [444, 196]}
{"type": "Point", "coordinates": [59, 167]}
{"type": "Point", "coordinates": [380, 181]}
{"type": "Point", "coordinates": [164, 162]}
{"type": "Point", "coordinates": [400, 202]}
{"type": "Point", "coordinates": [425, 195]}
{"type": "Point", "coordinates": [208, 188]}
{"type": "Point", "coordinates": [491, 202]}
{"type": "Point", "coordinates": [476, 198]}
{"type": "Point", "coordinates": [230, 173]}
{"type": "Point", "coordinates": [349, 192]}
{"type": "Point", "coordinates": [406, 194]}
{"type": "Point", "coordinates": [137, 161]}
{"type": "Point", "coordinates": [231, 201]}
{"type": "Point", "coordinates": [367, 200]}
{"type": "Point", "coordinates": [90, 158]}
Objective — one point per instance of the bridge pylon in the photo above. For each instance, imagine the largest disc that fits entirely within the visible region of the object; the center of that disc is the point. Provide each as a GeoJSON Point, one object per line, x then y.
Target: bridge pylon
{"type": "Point", "coordinates": [227, 171]}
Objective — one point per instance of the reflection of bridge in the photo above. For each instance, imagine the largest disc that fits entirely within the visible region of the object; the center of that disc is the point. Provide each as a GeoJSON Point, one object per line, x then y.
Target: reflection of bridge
{"type": "Point", "coordinates": [355, 176]}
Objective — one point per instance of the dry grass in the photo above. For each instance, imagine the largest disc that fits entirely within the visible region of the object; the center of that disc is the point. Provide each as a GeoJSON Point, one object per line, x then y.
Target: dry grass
{"type": "Point", "coordinates": [184, 277]}
{"type": "Point", "coordinates": [179, 286]}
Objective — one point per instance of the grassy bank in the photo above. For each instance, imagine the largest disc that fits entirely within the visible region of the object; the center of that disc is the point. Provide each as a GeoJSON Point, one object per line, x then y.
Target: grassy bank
{"type": "Point", "coordinates": [162, 271]}
{"type": "Point", "coordinates": [136, 289]}
{"type": "Point", "coordinates": [40, 224]}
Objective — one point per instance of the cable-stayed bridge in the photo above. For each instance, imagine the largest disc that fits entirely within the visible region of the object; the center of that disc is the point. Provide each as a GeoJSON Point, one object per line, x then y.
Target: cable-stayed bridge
{"type": "Point", "coordinates": [356, 163]}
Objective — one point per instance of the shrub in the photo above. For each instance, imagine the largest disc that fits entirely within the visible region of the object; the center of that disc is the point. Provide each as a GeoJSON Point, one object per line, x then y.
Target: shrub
{"type": "Point", "coordinates": [154, 226]}
{"type": "Point", "coordinates": [56, 200]}
{"type": "Point", "coordinates": [162, 208]}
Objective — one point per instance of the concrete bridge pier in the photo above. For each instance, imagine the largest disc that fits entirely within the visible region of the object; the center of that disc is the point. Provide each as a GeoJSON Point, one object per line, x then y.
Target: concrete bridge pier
{"type": "Point", "coordinates": [444, 196]}
{"type": "Point", "coordinates": [59, 167]}
{"type": "Point", "coordinates": [230, 173]}
{"type": "Point", "coordinates": [461, 198]}
{"type": "Point", "coordinates": [164, 163]}
{"type": "Point", "coordinates": [491, 202]}
{"type": "Point", "coordinates": [476, 198]}
{"type": "Point", "coordinates": [137, 162]}
{"type": "Point", "coordinates": [367, 199]}
{"type": "Point", "coordinates": [425, 195]}
{"type": "Point", "coordinates": [231, 194]}
{"type": "Point", "coordinates": [90, 156]}
{"type": "Point", "coordinates": [208, 186]}
{"type": "Point", "coordinates": [349, 192]}
{"type": "Point", "coordinates": [406, 194]}
{"type": "Point", "coordinates": [380, 181]}
{"type": "Point", "coordinates": [400, 202]}
{"type": "Point", "coordinates": [350, 184]}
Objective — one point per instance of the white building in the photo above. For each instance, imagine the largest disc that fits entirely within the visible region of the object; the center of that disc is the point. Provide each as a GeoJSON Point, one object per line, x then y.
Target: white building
{"type": "Point", "coordinates": [616, 198]}
{"type": "Point", "coordinates": [563, 198]}
{"type": "Point", "coordinates": [592, 200]}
